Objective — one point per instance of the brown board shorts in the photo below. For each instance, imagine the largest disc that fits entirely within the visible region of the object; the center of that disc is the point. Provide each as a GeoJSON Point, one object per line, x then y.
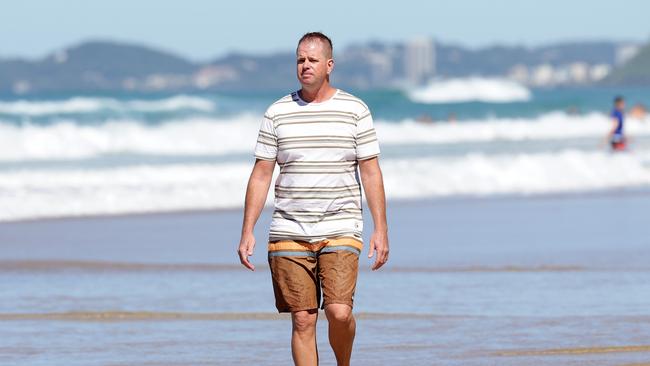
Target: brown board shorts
{"type": "Point", "coordinates": [299, 269]}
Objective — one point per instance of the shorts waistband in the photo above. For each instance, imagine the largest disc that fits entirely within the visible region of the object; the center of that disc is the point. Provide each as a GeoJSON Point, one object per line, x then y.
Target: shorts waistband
{"type": "Point", "coordinates": [304, 248]}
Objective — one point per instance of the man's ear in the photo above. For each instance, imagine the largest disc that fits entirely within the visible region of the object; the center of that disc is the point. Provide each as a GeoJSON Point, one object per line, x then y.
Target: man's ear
{"type": "Point", "coordinates": [330, 65]}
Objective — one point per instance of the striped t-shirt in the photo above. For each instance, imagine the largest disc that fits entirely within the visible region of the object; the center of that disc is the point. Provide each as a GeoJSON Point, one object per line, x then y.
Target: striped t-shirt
{"type": "Point", "coordinates": [317, 146]}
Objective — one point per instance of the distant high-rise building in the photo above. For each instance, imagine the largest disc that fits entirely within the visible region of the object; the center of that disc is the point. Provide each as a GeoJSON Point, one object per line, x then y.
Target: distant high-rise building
{"type": "Point", "coordinates": [626, 52]}
{"type": "Point", "coordinates": [519, 73]}
{"type": "Point", "coordinates": [381, 67]}
{"type": "Point", "coordinates": [599, 71]}
{"type": "Point", "coordinates": [543, 75]}
{"type": "Point", "coordinates": [419, 59]}
{"type": "Point", "coordinates": [579, 72]}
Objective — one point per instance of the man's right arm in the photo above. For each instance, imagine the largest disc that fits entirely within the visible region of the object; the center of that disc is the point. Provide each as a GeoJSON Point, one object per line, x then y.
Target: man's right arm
{"type": "Point", "coordinates": [256, 192]}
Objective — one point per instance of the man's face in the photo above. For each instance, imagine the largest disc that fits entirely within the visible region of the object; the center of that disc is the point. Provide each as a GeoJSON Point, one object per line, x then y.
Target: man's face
{"type": "Point", "coordinates": [312, 63]}
{"type": "Point", "coordinates": [620, 105]}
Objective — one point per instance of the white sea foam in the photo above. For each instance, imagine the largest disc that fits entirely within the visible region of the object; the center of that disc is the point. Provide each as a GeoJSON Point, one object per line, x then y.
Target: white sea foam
{"type": "Point", "coordinates": [474, 89]}
{"type": "Point", "coordinates": [554, 125]}
{"type": "Point", "coordinates": [77, 192]}
{"type": "Point", "coordinates": [482, 174]}
{"type": "Point", "coordinates": [81, 192]}
{"type": "Point", "coordinates": [69, 140]}
{"type": "Point", "coordinates": [79, 105]}
{"type": "Point", "coordinates": [211, 136]}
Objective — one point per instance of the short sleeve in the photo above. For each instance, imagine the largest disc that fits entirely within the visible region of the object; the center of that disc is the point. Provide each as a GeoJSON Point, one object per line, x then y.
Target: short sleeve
{"type": "Point", "coordinates": [366, 137]}
{"type": "Point", "coordinates": [267, 141]}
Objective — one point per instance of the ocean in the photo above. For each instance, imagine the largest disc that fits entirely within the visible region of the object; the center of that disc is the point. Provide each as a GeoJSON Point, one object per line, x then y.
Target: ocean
{"type": "Point", "coordinates": [78, 155]}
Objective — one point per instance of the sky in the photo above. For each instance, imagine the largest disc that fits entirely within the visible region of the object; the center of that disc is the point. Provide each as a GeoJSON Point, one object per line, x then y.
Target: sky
{"type": "Point", "coordinates": [202, 30]}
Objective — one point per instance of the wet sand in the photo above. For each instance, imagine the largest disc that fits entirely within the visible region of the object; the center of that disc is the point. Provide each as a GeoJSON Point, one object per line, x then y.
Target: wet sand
{"type": "Point", "coordinates": [559, 280]}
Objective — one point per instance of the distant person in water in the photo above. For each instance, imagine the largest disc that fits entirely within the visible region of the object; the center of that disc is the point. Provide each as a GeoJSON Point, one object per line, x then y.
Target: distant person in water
{"type": "Point", "coordinates": [616, 136]}
{"type": "Point", "coordinates": [638, 111]}
{"type": "Point", "coordinates": [424, 118]}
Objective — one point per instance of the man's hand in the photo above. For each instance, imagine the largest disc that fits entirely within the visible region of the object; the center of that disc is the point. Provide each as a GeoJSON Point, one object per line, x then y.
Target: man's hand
{"type": "Point", "coordinates": [246, 246]}
{"type": "Point", "coordinates": [379, 243]}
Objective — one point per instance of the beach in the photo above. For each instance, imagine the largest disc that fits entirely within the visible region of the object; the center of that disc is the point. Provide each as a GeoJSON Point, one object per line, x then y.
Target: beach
{"type": "Point", "coordinates": [515, 167]}
{"type": "Point", "coordinates": [510, 280]}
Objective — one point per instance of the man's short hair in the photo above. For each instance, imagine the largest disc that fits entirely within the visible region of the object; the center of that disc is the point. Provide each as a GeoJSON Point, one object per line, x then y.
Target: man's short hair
{"type": "Point", "coordinates": [618, 99]}
{"type": "Point", "coordinates": [329, 49]}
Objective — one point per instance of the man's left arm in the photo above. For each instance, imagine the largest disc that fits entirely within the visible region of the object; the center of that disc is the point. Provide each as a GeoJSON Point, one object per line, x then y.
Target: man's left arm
{"type": "Point", "coordinates": [373, 185]}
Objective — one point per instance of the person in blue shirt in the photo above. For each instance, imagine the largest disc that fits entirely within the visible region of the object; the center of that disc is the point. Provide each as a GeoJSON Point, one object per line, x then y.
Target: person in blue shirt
{"type": "Point", "coordinates": [616, 137]}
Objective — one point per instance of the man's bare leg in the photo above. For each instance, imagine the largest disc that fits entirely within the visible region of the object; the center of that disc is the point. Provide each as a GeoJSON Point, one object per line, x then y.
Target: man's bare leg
{"type": "Point", "coordinates": [303, 337]}
{"type": "Point", "coordinates": [342, 327]}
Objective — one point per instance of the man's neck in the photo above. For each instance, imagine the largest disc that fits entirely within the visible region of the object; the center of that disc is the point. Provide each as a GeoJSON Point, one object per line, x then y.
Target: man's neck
{"type": "Point", "coordinates": [323, 93]}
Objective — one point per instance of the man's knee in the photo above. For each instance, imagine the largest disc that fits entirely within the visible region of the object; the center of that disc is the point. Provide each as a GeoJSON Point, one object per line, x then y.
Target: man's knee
{"type": "Point", "coordinates": [338, 313]}
{"type": "Point", "coordinates": [304, 320]}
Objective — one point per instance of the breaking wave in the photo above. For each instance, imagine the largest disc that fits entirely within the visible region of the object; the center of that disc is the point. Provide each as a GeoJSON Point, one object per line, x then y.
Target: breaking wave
{"type": "Point", "coordinates": [67, 140]}
{"type": "Point", "coordinates": [40, 193]}
{"type": "Point", "coordinates": [474, 89]}
{"type": "Point", "coordinates": [81, 105]}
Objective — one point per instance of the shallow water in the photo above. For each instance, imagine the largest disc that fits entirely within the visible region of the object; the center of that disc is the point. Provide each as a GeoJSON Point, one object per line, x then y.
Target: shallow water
{"type": "Point", "coordinates": [550, 280]}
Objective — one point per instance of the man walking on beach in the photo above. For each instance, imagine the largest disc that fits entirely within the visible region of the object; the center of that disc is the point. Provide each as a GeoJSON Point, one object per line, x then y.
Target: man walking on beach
{"type": "Point", "coordinates": [324, 141]}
